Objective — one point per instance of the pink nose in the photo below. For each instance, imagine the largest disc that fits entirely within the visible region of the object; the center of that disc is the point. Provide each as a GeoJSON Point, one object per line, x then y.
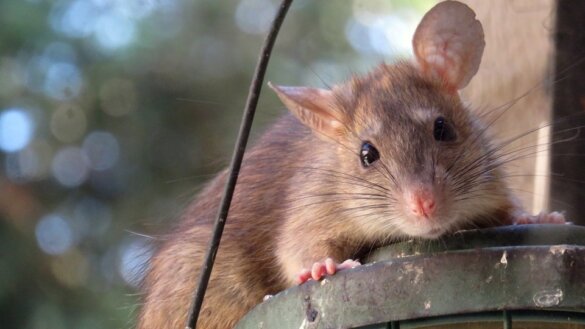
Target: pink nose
{"type": "Point", "coordinates": [423, 203]}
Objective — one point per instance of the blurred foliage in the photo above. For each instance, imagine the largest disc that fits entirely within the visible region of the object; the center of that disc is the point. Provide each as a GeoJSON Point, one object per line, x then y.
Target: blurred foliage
{"type": "Point", "coordinates": [112, 114]}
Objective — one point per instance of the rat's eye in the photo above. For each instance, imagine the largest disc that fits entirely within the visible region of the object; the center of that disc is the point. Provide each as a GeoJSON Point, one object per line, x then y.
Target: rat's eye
{"type": "Point", "coordinates": [369, 154]}
{"type": "Point", "coordinates": [443, 131]}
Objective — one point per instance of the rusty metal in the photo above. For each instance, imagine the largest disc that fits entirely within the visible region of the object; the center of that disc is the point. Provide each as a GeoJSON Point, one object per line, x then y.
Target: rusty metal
{"type": "Point", "coordinates": [514, 269]}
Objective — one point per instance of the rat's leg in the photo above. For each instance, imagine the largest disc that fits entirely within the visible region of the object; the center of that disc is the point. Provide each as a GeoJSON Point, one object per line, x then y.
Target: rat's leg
{"type": "Point", "coordinates": [327, 267]}
{"type": "Point", "coordinates": [311, 250]}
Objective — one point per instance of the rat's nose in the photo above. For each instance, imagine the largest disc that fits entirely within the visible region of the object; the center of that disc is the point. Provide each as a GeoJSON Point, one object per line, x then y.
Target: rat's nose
{"type": "Point", "coordinates": [423, 203]}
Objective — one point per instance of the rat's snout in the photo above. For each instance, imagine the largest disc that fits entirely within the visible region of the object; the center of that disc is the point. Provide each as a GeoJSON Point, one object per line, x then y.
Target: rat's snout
{"type": "Point", "coordinates": [423, 211]}
{"type": "Point", "coordinates": [422, 203]}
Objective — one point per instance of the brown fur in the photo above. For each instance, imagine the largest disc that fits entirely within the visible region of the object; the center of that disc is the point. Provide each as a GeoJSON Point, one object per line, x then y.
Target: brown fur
{"type": "Point", "coordinates": [295, 202]}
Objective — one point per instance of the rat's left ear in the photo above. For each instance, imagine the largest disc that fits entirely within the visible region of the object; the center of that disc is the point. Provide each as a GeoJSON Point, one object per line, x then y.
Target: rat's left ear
{"type": "Point", "coordinates": [315, 108]}
{"type": "Point", "coordinates": [448, 43]}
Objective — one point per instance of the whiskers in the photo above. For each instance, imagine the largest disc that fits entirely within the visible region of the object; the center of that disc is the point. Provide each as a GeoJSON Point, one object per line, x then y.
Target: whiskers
{"type": "Point", "coordinates": [346, 200]}
{"type": "Point", "coordinates": [339, 189]}
{"type": "Point", "coordinates": [471, 169]}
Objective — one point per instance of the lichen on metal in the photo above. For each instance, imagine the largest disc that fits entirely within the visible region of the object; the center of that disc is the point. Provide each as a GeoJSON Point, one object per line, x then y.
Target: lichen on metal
{"type": "Point", "coordinates": [523, 267]}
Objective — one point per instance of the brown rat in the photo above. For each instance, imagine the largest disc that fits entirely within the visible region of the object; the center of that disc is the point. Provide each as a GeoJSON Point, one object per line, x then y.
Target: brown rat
{"type": "Point", "coordinates": [390, 155]}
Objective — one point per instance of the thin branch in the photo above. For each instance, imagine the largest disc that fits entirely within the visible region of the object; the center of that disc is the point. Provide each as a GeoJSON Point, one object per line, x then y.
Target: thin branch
{"type": "Point", "coordinates": [236, 162]}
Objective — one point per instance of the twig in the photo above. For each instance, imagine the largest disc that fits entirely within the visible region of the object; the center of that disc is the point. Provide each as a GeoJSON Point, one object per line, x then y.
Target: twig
{"type": "Point", "coordinates": [236, 162]}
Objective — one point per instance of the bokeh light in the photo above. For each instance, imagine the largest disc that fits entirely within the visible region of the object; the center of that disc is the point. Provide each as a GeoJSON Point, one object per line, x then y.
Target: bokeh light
{"type": "Point", "coordinates": [29, 164]}
{"type": "Point", "coordinates": [111, 23]}
{"type": "Point", "coordinates": [358, 36]}
{"type": "Point", "coordinates": [114, 31]}
{"type": "Point", "coordinates": [71, 268]}
{"type": "Point", "coordinates": [377, 28]}
{"type": "Point", "coordinates": [16, 129]}
{"type": "Point", "coordinates": [59, 52]}
{"type": "Point", "coordinates": [54, 235]}
{"type": "Point", "coordinates": [68, 123]}
{"type": "Point", "coordinates": [70, 166]}
{"type": "Point", "coordinates": [102, 150]}
{"type": "Point", "coordinates": [255, 16]}
{"type": "Point", "coordinates": [135, 9]}
{"type": "Point", "coordinates": [134, 255]}
{"type": "Point", "coordinates": [63, 81]}
{"type": "Point", "coordinates": [75, 19]}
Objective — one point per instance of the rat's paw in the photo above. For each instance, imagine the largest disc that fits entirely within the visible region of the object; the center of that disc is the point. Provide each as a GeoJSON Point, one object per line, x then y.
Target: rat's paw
{"type": "Point", "coordinates": [554, 217]}
{"type": "Point", "coordinates": [321, 269]}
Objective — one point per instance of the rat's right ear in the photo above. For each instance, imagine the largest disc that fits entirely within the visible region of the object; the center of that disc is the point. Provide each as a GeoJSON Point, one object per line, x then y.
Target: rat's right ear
{"type": "Point", "coordinates": [448, 43]}
{"type": "Point", "coordinates": [314, 107]}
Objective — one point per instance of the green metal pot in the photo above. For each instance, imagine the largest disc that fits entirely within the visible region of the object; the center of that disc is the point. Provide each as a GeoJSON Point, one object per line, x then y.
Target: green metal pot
{"type": "Point", "coordinates": [525, 276]}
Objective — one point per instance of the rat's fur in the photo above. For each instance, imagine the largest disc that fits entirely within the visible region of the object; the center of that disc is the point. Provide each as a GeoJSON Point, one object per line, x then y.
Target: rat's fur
{"type": "Point", "coordinates": [302, 197]}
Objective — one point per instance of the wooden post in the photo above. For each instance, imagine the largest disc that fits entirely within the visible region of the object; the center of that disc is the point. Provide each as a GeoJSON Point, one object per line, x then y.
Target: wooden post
{"type": "Point", "coordinates": [514, 69]}
{"type": "Point", "coordinates": [568, 158]}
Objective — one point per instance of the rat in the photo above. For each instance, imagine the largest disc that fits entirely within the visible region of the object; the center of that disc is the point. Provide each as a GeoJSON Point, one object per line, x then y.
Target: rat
{"type": "Point", "coordinates": [394, 154]}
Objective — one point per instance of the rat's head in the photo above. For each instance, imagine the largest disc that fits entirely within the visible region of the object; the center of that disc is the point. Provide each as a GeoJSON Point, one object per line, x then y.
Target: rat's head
{"type": "Point", "coordinates": [419, 159]}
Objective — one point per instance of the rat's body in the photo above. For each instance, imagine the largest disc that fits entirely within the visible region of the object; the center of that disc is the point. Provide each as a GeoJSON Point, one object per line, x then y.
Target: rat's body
{"type": "Point", "coordinates": [391, 155]}
{"type": "Point", "coordinates": [293, 206]}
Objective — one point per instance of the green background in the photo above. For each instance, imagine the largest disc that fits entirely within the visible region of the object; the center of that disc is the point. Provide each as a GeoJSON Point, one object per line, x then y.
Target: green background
{"type": "Point", "coordinates": [114, 112]}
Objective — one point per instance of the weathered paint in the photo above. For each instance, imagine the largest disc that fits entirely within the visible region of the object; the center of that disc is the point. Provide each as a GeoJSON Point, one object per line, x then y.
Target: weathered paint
{"type": "Point", "coordinates": [524, 267]}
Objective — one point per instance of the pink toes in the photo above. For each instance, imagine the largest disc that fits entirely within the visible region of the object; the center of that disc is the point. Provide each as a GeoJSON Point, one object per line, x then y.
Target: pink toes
{"type": "Point", "coordinates": [304, 276]}
{"type": "Point", "coordinates": [319, 270]}
{"type": "Point", "coordinates": [348, 263]}
{"type": "Point", "coordinates": [542, 218]}
{"type": "Point", "coordinates": [322, 269]}
{"type": "Point", "coordinates": [330, 267]}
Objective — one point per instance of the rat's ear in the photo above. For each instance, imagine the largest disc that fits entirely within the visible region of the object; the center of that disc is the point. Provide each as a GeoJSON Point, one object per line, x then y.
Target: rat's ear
{"type": "Point", "coordinates": [314, 107]}
{"type": "Point", "coordinates": [448, 43]}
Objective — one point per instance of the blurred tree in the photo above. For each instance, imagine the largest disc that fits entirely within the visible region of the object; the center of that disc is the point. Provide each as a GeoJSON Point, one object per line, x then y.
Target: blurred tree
{"type": "Point", "coordinates": [113, 112]}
